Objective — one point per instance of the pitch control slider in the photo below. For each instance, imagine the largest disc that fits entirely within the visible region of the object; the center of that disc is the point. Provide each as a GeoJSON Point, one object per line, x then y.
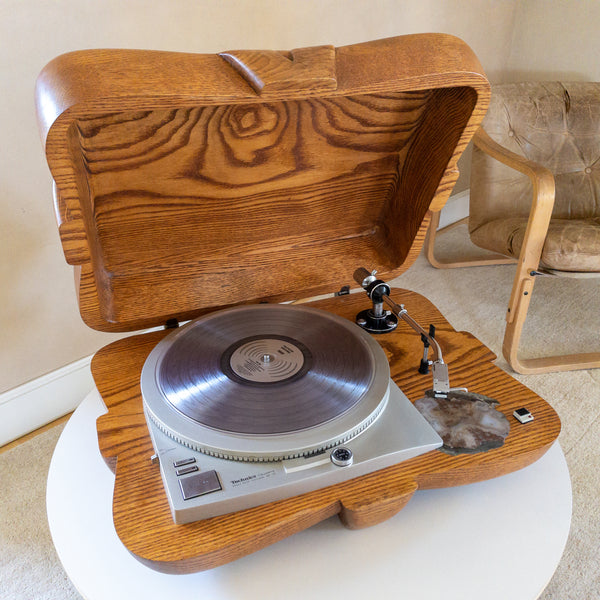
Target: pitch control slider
{"type": "Point", "coordinates": [377, 320]}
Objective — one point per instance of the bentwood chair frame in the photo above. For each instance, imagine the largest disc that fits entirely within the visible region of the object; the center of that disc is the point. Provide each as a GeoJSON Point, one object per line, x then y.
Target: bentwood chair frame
{"type": "Point", "coordinates": [528, 263]}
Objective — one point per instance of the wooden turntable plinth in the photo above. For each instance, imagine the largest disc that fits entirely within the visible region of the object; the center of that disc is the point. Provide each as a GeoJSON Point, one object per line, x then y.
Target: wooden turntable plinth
{"type": "Point", "coordinates": [141, 512]}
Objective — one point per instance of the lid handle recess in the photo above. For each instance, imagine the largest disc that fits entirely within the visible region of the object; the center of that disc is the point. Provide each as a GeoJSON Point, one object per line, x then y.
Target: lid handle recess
{"type": "Point", "coordinates": [268, 71]}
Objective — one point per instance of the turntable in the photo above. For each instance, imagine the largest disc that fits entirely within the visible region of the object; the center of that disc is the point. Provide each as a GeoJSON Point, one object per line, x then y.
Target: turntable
{"type": "Point", "coordinates": [259, 403]}
{"type": "Point", "coordinates": [216, 189]}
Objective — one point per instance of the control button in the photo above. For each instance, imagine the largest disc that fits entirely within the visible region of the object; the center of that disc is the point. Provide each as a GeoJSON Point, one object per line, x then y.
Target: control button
{"type": "Point", "coordinates": [341, 457]}
{"type": "Point", "coordinates": [200, 484]}
{"type": "Point", "coordinates": [185, 461]}
{"type": "Point", "coordinates": [186, 470]}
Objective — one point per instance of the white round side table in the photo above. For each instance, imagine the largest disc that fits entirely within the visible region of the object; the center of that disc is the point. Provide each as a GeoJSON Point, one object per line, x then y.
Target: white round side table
{"type": "Point", "coordinates": [496, 539]}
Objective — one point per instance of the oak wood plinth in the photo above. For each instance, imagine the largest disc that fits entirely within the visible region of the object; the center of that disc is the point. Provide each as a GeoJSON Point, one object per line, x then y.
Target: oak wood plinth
{"type": "Point", "coordinates": [140, 509]}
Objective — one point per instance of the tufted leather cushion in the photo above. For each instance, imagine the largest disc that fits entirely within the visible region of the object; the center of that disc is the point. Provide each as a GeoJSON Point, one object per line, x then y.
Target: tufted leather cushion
{"type": "Point", "coordinates": [556, 125]}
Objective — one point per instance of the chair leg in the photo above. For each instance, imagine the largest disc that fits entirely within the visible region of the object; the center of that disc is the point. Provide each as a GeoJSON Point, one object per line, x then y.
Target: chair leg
{"type": "Point", "coordinates": [512, 338]}
{"type": "Point", "coordinates": [433, 232]}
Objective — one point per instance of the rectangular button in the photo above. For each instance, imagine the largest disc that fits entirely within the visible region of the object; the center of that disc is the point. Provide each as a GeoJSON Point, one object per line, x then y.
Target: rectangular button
{"type": "Point", "coordinates": [186, 470]}
{"type": "Point", "coordinates": [200, 484]}
{"type": "Point", "coordinates": [185, 461]}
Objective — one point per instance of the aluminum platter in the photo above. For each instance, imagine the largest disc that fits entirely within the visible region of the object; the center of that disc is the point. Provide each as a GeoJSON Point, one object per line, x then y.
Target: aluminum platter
{"type": "Point", "coordinates": [265, 382]}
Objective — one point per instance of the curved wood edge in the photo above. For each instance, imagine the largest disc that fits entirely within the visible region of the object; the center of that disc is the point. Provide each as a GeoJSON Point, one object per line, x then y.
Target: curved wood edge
{"type": "Point", "coordinates": [372, 509]}
{"type": "Point", "coordinates": [123, 78]}
{"type": "Point", "coordinates": [551, 364]}
{"type": "Point", "coordinates": [542, 204]}
{"type": "Point", "coordinates": [140, 509]}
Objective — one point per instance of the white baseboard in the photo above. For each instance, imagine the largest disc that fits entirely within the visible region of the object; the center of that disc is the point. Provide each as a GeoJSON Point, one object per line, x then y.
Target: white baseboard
{"type": "Point", "coordinates": [456, 208]}
{"type": "Point", "coordinates": [41, 401]}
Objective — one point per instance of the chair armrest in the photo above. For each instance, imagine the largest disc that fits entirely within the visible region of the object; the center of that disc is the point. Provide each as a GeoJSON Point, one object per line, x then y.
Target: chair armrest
{"type": "Point", "coordinates": [540, 213]}
{"type": "Point", "coordinates": [484, 142]}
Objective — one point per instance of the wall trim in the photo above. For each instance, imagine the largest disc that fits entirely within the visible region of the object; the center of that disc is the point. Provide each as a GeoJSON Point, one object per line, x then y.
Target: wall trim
{"type": "Point", "coordinates": [40, 401]}
{"type": "Point", "coordinates": [455, 209]}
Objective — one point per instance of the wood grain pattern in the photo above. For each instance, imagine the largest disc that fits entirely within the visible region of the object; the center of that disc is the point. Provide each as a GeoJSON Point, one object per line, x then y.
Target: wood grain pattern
{"type": "Point", "coordinates": [184, 183]}
{"type": "Point", "coordinates": [140, 508]}
{"type": "Point", "coordinates": [190, 182]}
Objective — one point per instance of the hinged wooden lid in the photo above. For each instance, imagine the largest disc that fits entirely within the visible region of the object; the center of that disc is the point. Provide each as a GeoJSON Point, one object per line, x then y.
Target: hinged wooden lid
{"type": "Point", "coordinates": [189, 182]}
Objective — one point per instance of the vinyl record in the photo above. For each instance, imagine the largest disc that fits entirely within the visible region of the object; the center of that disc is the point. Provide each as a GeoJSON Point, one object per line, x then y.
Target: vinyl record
{"type": "Point", "coordinates": [248, 382]}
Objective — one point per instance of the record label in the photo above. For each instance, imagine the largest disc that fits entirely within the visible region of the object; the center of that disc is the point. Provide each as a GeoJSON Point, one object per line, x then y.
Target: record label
{"type": "Point", "coordinates": [267, 360]}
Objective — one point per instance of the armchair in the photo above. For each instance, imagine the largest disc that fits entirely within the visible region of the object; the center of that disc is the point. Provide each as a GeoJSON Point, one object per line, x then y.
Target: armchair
{"type": "Point", "coordinates": [535, 198]}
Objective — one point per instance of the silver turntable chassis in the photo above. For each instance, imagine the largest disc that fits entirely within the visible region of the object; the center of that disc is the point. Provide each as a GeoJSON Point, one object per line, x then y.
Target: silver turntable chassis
{"type": "Point", "coordinates": [199, 486]}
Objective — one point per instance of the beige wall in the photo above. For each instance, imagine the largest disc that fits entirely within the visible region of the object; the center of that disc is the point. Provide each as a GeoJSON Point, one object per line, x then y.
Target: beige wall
{"type": "Point", "coordinates": [556, 40]}
{"type": "Point", "coordinates": [41, 328]}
